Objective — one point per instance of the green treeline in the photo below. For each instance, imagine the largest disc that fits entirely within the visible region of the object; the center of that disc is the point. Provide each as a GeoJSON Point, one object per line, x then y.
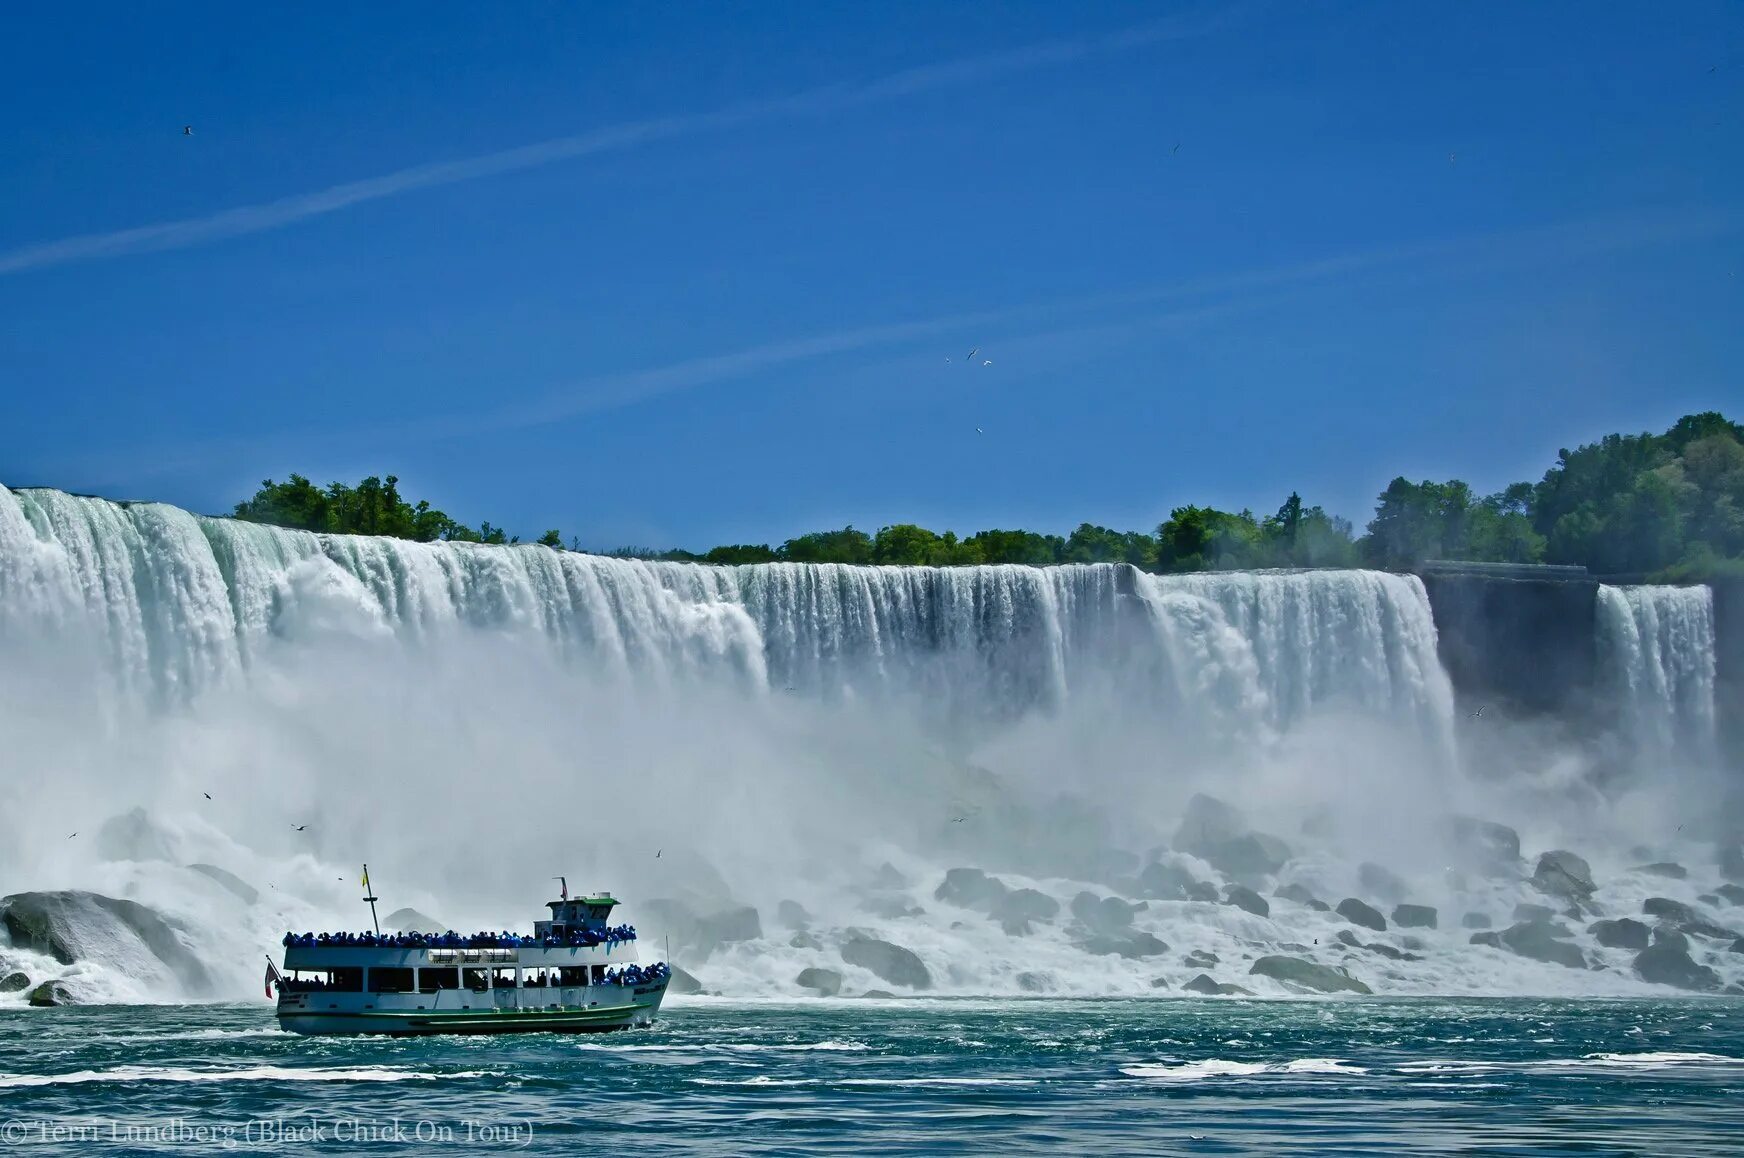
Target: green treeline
{"type": "Point", "coordinates": [1667, 504]}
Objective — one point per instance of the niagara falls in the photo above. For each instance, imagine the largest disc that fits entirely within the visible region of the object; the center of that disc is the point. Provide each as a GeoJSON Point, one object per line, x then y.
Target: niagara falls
{"type": "Point", "coordinates": [997, 578]}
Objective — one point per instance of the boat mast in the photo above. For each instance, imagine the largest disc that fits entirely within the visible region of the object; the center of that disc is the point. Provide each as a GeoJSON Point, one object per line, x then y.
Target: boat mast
{"type": "Point", "coordinates": [372, 900]}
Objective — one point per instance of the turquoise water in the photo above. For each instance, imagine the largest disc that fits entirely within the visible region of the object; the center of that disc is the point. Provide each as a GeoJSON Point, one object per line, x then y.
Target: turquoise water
{"type": "Point", "coordinates": [964, 1076]}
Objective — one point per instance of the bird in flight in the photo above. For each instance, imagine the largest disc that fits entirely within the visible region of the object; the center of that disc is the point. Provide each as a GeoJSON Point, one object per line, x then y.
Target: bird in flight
{"type": "Point", "coordinates": [301, 827]}
{"type": "Point", "coordinates": [187, 130]}
{"type": "Point", "coordinates": [207, 795]}
{"type": "Point", "coordinates": [987, 361]}
{"type": "Point", "coordinates": [1176, 149]}
{"type": "Point", "coordinates": [973, 352]}
{"type": "Point", "coordinates": [978, 430]}
{"type": "Point", "coordinates": [70, 835]}
{"type": "Point", "coordinates": [958, 819]}
{"type": "Point", "coordinates": [1477, 713]}
{"type": "Point", "coordinates": [657, 853]}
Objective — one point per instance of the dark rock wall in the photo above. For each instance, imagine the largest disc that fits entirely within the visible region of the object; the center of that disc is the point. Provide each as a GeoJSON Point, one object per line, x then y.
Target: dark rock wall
{"type": "Point", "coordinates": [1529, 643]}
{"type": "Point", "coordinates": [1729, 666]}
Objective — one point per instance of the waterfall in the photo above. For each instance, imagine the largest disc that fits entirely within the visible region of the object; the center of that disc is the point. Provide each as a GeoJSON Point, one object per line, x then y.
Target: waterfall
{"type": "Point", "coordinates": [1657, 645]}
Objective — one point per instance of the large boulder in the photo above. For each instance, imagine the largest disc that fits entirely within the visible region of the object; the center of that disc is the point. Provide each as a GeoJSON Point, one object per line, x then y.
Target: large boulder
{"type": "Point", "coordinates": [1295, 971]}
{"type": "Point", "coordinates": [824, 982]}
{"type": "Point", "coordinates": [124, 935]}
{"type": "Point", "coordinates": [1217, 833]}
{"type": "Point", "coordinates": [792, 915]}
{"type": "Point", "coordinates": [14, 983]}
{"type": "Point", "coordinates": [1204, 984]}
{"type": "Point", "coordinates": [1247, 900]}
{"type": "Point", "coordinates": [970, 888]}
{"type": "Point", "coordinates": [1563, 874]}
{"type": "Point", "coordinates": [412, 921]}
{"type": "Point", "coordinates": [1672, 965]}
{"type": "Point", "coordinates": [234, 884]}
{"type": "Point", "coordinates": [1685, 919]}
{"type": "Point", "coordinates": [1485, 845]}
{"type": "Point", "coordinates": [1526, 911]}
{"type": "Point", "coordinates": [1662, 868]}
{"type": "Point", "coordinates": [1731, 894]}
{"type": "Point", "coordinates": [701, 933]}
{"type": "Point", "coordinates": [1623, 933]}
{"type": "Point", "coordinates": [892, 963]}
{"type": "Point", "coordinates": [48, 994]}
{"type": "Point", "coordinates": [1414, 916]}
{"type": "Point", "coordinates": [1166, 882]}
{"type": "Point", "coordinates": [1105, 914]}
{"type": "Point", "coordinates": [1302, 895]}
{"type": "Point", "coordinates": [1128, 943]}
{"type": "Point", "coordinates": [1539, 941]}
{"type": "Point", "coordinates": [1249, 856]}
{"type": "Point", "coordinates": [1016, 909]}
{"type": "Point", "coordinates": [1358, 913]}
{"type": "Point", "coordinates": [1380, 881]}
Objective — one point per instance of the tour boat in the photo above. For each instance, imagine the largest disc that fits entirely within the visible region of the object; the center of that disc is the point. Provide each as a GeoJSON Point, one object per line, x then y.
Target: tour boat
{"type": "Point", "coordinates": [574, 974]}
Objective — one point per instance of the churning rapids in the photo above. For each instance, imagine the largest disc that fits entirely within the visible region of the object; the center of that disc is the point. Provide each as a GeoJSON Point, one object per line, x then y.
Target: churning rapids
{"type": "Point", "coordinates": [1142, 784]}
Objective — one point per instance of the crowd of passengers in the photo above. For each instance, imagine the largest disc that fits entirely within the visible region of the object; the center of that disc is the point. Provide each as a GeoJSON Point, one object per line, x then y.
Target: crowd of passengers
{"type": "Point", "coordinates": [574, 938]}
{"type": "Point", "coordinates": [628, 975]}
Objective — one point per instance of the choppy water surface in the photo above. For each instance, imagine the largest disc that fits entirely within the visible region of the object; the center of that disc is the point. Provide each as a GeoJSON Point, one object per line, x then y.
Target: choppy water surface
{"type": "Point", "coordinates": [1168, 1076]}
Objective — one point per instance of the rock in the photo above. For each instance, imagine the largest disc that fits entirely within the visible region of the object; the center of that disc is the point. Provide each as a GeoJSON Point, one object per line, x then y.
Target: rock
{"type": "Point", "coordinates": [1663, 868]}
{"type": "Point", "coordinates": [1203, 891]}
{"type": "Point", "coordinates": [48, 994]}
{"type": "Point", "coordinates": [878, 993]}
{"type": "Point", "coordinates": [1525, 912]}
{"type": "Point", "coordinates": [1301, 895]}
{"type": "Point", "coordinates": [1358, 913]}
{"type": "Point", "coordinates": [245, 892]}
{"type": "Point", "coordinates": [1414, 916]}
{"type": "Point", "coordinates": [1487, 937]}
{"type": "Point", "coordinates": [1295, 971]}
{"type": "Point", "coordinates": [1475, 921]}
{"type": "Point", "coordinates": [792, 914]}
{"type": "Point", "coordinates": [412, 921]}
{"type": "Point", "coordinates": [1132, 943]}
{"type": "Point", "coordinates": [891, 908]}
{"type": "Point", "coordinates": [887, 877]}
{"type": "Point", "coordinates": [1200, 959]}
{"type": "Point", "coordinates": [1671, 965]}
{"type": "Point", "coordinates": [1250, 856]}
{"type": "Point", "coordinates": [1381, 881]}
{"type": "Point", "coordinates": [1105, 914]}
{"type": "Point", "coordinates": [824, 982]}
{"type": "Point", "coordinates": [970, 888]}
{"type": "Point", "coordinates": [1391, 953]}
{"type": "Point", "coordinates": [1016, 909]}
{"type": "Point", "coordinates": [1207, 823]}
{"type": "Point", "coordinates": [1624, 933]}
{"type": "Point", "coordinates": [1202, 984]}
{"type": "Point", "coordinates": [1732, 861]}
{"type": "Point", "coordinates": [1733, 894]}
{"type": "Point", "coordinates": [1538, 941]}
{"type": "Point", "coordinates": [1664, 935]}
{"type": "Point", "coordinates": [682, 982]}
{"type": "Point", "coordinates": [1486, 845]}
{"type": "Point", "coordinates": [893, 963]}
{"type": "Point", "coordinates": [1346, 937]}
{"type": "Point", "coordinates": [124, 935]}
{"type": "Point", "coordinates": [1712, 900]}
{"type": "Point", "coordinates": [1246, 900]}
{"type": "Point", "coordinates": [1165, 882]}
{"type": "Point", "coordinates": [1035, 982]}
{"type": "Point", "coordinates": [1563, 874]}
{"type": "Point", "coordinates": [1684, 918]}
{"type": "Point", "coordinates": [805, 940]}
{"type": "Point", "coordinates": [135, 836]}
{"type": "Point", "coordinates": [1736, 947]}
{"type": "Point", "coordinates": [1159, 983]}
{"type": "Point", "coordinates": [14, 983]}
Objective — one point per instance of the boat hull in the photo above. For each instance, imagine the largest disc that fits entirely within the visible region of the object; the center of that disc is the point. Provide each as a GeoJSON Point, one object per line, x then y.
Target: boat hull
{"type": "Point", "coordinates": [640, 1009]}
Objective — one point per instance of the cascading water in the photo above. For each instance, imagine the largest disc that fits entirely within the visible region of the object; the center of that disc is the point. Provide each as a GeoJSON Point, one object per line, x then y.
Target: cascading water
{"type": "Point", "coordinates": [1657, 644]}
{"type": "Point", "coordinates": [178, 690]}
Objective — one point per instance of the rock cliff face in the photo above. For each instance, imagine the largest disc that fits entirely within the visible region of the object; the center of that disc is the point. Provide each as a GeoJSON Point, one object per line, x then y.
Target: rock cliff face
{"type": "Point", "coordinates": [1528, 643]}
{"type": "Point", "coordinates": [1729, 666]}
{"type": "Point", "coordinates": [73, 926]}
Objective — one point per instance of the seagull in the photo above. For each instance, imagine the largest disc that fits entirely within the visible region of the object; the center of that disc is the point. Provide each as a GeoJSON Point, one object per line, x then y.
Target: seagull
{"type": "Point", "coordinates": [958, 819]}
{"type": "Point", "coordinates": [70, 835]}
{"type": "Point", "coordinates": [973, 352]}
{"type": "Point", "coordinates": [301, 827]}
{"type": "Point", "coordinates": [187, 130]}
{"type": "Point", "coordinates": [1477, 713]}
{"type": "Point", "coordinates": [657, 853]}
{"type": "Point", "coordinates": [207, 795]}
{"type": "Point", "coordinates": [987, 362]}
{"type": "Point", "coordinates": [1176, 149]}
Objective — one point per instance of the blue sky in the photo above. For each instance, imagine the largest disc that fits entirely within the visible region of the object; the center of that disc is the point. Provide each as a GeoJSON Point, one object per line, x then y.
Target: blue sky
{"type": "Point", "coordinates": [685, 274]}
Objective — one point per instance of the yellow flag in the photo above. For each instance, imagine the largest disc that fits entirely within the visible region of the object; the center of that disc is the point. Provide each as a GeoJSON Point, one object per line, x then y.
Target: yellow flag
{"type": "Point", "coordinates": [366, 878]}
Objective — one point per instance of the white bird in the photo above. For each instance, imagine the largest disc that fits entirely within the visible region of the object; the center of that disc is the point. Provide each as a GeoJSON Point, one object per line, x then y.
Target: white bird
{"type": "Point", "coordinates": [987, 361]}
{"type": "Point", "coordinates": [978, 430]}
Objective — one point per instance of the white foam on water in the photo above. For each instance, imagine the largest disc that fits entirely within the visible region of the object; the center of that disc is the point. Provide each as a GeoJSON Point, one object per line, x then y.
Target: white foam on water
{"type": "Point", "coordinates": [1222, 1068]}
{"type": "Point", "coordinates": [129, 1074]}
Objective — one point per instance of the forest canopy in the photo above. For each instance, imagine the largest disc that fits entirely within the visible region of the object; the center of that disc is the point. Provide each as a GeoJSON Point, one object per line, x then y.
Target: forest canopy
{"type": "Point", "coordinates": [1662, 505]}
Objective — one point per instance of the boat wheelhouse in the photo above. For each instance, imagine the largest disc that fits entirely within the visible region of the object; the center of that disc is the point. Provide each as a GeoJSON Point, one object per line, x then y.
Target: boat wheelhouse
{"type": "Point", "coordinates": [574, 974]}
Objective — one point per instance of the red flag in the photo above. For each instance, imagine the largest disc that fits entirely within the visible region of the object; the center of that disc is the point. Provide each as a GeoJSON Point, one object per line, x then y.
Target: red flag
{"type": "Point", "coordinates": [272, 977]}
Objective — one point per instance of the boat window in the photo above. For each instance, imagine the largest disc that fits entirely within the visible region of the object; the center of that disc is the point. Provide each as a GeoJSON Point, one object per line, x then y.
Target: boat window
{"type": "Point", "coordinates": [477, 980]}
{"type": "Point", "coordinates": [386, 979]}
{"type": "Point", "coordinates": [430, 980]}
{"type": "Point", "coordinates": [503, 979]}
{"type": "Point", "coordinates": [572, 975]}
{"type": "Point", "coordinates": [599, 974]}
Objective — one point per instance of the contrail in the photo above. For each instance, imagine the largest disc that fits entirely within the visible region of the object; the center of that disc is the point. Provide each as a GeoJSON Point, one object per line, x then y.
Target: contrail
{"type": "Point", "coordinates": [258, 218]}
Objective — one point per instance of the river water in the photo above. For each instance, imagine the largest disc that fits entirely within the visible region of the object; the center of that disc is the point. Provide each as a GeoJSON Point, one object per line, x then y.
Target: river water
{"type": "Point", "coordinates": [1217, 1076]}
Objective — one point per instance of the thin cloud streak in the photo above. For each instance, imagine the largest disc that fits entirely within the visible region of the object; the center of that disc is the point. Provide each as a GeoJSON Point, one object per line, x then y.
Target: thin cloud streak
{"type": "Point", "coordinates": [270, 215]}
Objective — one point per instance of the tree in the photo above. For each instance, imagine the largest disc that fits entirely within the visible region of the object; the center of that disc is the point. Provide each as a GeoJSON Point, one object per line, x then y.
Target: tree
{"type": "Point", "coordinates": [844, 546]}
{"type": "Point", "coordinates": [551, 538]}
